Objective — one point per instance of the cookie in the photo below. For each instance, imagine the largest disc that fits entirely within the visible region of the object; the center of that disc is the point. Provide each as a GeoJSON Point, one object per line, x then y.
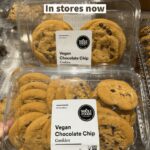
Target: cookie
{"type": "Point", "coordinates": [33, 94]}
{"type": "Point", "coordinates": [26, 12]}
{"type": "Point", "coordinates": [77, 89]}
{"type": "Point", "coordinates": [106, 111]}
{"type": "Point", "coordinates": [32, 107]}
{"type": "Point", "coordinates": [145, 41]}
{"type": "Point", "coordinates": [33, 134]}
{"type": "Point", "coordinates": [106, 49]}
{"type": "Point", "coordinates": [117, 93]}
{"type": "Point", "coordinates": [16, 132]}
{"type": "Point", "coordinates": [129, 116]}
{"type": "Point", "coordinates": [43, 40]}
{"type": "Point", "coordinates": [108, 38]}
{"type": "Point", "coordinates": [33, 85]}
{"type": "Point", "coordinates": [46, 132]}
{"type": "Point", "coordinates": [56, 90]}
{"type": "Point", "coordinates": [115, 133]}
{"type": "Point", "coordinates": [33, 77]}
{"type": "Point", "coordinates": [145, 31]}
{"type": "Point", "coordinates": [13, 13]}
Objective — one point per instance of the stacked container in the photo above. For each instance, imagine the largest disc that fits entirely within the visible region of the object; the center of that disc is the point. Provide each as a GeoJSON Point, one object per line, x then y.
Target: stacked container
{"type": "Point", "coordinates": [113, 60]}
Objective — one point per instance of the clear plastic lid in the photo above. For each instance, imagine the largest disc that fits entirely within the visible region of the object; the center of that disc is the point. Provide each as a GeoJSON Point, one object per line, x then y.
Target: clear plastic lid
{"type": "Point", "coordinates": [114, 42]}
{"type": "Point", "coordinates": [33, 90]}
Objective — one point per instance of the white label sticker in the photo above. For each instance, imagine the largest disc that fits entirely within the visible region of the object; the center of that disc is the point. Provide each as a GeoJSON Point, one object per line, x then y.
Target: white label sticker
{"type": "Point", "coordinates": [74, 125]}
{"type": "Point", "coordinates": [74, 47]}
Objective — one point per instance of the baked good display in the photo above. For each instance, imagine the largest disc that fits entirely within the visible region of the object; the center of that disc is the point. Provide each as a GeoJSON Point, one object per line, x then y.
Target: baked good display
{"type": "Point", "coordinates": [109, 41]}
{"type": "Point", "coordinates": [145, 42]}
{"type": "Point", "coordinates": [35, 92]}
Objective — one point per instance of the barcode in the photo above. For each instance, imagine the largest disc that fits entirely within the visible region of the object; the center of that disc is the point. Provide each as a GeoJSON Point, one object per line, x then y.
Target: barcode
{"type": "Point", "coordinates": [93, 147]}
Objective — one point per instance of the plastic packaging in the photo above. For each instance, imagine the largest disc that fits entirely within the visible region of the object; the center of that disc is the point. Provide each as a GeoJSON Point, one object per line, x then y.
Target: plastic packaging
{"type": "Point", "coordinates": [144, 56]}
{"type": "Point", "coordinates": [82, 78]}
{"type": "Point", "coordinates": [118, 11]}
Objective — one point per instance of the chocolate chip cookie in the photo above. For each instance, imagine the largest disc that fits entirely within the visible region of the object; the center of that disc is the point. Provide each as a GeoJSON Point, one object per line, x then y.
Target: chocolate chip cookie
{"type": "Point", "coordinates": [115, 133]}
{"type": "Point", "coordinates": [33, 77]}
{"type": "Point", "coordinates": [34, 85]}
{"type": "Point", "coordinates": [77, 89]}
{"type": "Point", "coordinates": [32, 107]}
{"type": "Point", "coordinates": [44, 42]}
{"type": "Point", "coordinates": [56, 90]}
{"type": "Point", "coordinates": [109, 41]}
{"type": "Point", "coordinates": [117, 93]}
{"type": "Point", "coordinates": [33, 135]}
{"type": "Point", "coordinates": [17, 131]}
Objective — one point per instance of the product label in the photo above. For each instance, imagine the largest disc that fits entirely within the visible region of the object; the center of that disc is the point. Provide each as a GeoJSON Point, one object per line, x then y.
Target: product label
{"type": "Point", "coordinates": [74, 47]}
{"type": "Point", "coordinates": [75, 8]}
{"type": "Point", "coordinates": [74, 125]}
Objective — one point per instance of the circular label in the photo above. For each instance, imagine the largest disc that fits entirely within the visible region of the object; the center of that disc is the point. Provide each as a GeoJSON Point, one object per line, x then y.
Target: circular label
{"type": "Point", "coordinates": [83, 42]}
{"type": "Point", "coordinates": [86, 112]}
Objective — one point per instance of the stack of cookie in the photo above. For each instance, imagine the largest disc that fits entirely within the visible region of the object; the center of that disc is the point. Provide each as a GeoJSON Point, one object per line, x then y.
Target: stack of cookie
{"type": "Point", "coordinates": [108, 45]}
{"type": "Point", "coordinates": [145, 41]}
{"type": "Point", "coordinates": [116, 101]}
{"type": "Point", "coordinates": [30, 110]}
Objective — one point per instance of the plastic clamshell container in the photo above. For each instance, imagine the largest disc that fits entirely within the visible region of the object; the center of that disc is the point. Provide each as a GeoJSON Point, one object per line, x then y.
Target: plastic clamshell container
{"type": "Point", "coordinates": [125, 13]}
{"type": "Point", "coordinates": [93, 77]}
{"type": "Point", "coordinates": [144, 55]}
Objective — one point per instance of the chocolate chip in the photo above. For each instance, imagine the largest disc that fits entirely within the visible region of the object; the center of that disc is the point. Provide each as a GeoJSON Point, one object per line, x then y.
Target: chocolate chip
{"type": "Point", "coordinates": [75, 97]}
{"type": "Point", "coordinates": [3, 51]}
{"type": "Point", "coordinates": [106, 46]}
{"type": "Point", "coordinates": [109, 31]}
{"type": "Point", "coordinates": [81, 84]}
{"type": "Point", "coordinates": [113, 130]}
{"type": "Point", "coordinates": [104, 27]}
{"type": "Point", "coordinates": [112, 49]}
{"type": "Point", "coordinates": [50, 49]}
{"type": "Point", "coordinates": [112, 90]}
{"type": "Point", "coordinates": [101, 25]}
{"type": "Point", "coordinates": [111, 56]}
{"type": "Point", "coordinates": [122, 94]}
{"type": "Point", "coordinates": [36, 45]}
